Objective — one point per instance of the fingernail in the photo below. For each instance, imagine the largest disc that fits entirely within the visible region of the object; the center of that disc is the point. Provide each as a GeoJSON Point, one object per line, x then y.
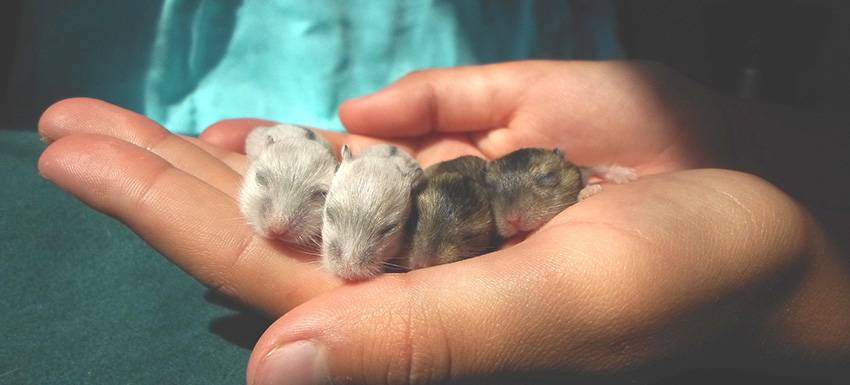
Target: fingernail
{"type": "Point", "coordinates": [296, 363]}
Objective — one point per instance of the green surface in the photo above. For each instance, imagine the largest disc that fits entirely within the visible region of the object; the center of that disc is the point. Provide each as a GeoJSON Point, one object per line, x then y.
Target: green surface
{"type": "Point", "coordinates": [84, 301]}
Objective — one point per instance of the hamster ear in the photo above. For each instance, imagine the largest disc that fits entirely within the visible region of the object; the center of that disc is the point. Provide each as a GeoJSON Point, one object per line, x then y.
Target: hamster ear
{"type": "Point", "coordinates": [269, 140]}
{"type": "Point", "coordinates": [557, 151]}
{"type": "Point", "coordinates": [308, 133]}
{"type": "Point", "coordinates": [345, 153]}
{"type": "Point", "coordinates": [417, 178]}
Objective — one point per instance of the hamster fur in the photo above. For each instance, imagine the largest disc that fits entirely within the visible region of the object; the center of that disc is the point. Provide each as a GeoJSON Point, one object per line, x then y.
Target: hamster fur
{"type": "Point", "coordinates": [261, 137]}
{"type": "Point", "coordinates": [532, 185]}
{"type": "Point", "coordinates": [367, 210]}
{"type": "Point", "coordinates": [284, 188]}
{"type": "Point", "coordinates": [452, 217]}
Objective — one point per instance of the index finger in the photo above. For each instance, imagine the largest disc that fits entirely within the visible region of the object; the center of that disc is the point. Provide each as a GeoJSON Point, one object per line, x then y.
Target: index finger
{"type": "Point", "coordinates": [458, 99]}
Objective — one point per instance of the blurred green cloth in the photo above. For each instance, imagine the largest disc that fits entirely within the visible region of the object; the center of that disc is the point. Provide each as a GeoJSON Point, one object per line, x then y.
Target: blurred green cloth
{"type": "Point", "coordinates": [296, 61]}
{"type": "Point", "coordinates": [189, 63]}
{"type": "Point", "coordinates": [84, 301]}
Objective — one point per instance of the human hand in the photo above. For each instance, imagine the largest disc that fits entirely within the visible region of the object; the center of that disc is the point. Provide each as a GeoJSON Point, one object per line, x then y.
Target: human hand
{"type": "Point", "coordinates": [628, 277]}
{"type": "Point", "coordinates": [610, 299]}
{"type": "Point", "coordinates": [631, 113]}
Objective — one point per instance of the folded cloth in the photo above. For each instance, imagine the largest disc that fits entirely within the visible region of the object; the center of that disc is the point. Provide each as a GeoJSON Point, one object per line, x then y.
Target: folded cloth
{"type": "Point", "coordinates": [296, 61]}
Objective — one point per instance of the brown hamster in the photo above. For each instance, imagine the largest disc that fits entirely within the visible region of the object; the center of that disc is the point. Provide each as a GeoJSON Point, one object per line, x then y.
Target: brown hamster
{"type": "Point", "coordinates": [452, 218]}
{"type": "Point", "coordinates": [529, 187]}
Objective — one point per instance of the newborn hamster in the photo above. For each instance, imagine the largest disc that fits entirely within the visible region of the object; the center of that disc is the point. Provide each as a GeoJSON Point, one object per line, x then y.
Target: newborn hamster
{"type": "Point", "coordinates": [530, 186]}
{"type": "Point", "coordinates": [367, 210]}
{"type": "Point", "coordinates": [284, 188]}
{"type": "Point", "coordinates": [452, 217]}
{"type": "Point", "coordinates": [261, 137]}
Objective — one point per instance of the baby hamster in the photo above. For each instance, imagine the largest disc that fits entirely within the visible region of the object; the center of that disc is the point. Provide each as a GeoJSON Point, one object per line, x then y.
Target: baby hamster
{"type": "Point", "coordinates": [261, 137]}
{"type": "Point", "coordinates": [532, 185]}
{"type": "Point", "coordinates": [367, 210]}
{"type": "Point", "coordinates": [284, 188]}
{"type": "Point", "coordinates": [452, 217]}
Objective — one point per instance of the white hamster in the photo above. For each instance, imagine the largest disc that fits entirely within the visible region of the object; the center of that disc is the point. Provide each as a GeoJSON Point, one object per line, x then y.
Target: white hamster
{"type": "Point", "coordinates": [261, 137]}
{"type": "Point", "coordinates": [284, 188]}
{"type": "Point", "coordinates": [367, 210]}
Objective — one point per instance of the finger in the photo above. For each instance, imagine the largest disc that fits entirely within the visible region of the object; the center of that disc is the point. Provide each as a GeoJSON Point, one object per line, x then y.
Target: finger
{"type": "Point", "coordinates": [189, 221]}
{"type": "Point", "coordinates": [481, 320]}
{"type": "Point", "coordinates": [449, 99]}
{"type": "Point", "coordinates": [560, 303]}
{"type": "Point", "coordinates": [235, 160]}
{"type": "Point", "coordinates": [91, 116]}
{"type": "Point", "coordinates": [231, 133]}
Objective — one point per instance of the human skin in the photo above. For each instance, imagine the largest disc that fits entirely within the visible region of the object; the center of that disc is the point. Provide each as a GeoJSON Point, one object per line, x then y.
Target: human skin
{"type": "Point", "coordinates": [623, 281]}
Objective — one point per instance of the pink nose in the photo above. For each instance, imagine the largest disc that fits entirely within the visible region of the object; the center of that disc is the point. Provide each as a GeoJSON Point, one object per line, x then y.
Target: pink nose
{"type": "Point", "coordinates": [514, 220]}
{"type": "Point", "coordinates": [278, 230]}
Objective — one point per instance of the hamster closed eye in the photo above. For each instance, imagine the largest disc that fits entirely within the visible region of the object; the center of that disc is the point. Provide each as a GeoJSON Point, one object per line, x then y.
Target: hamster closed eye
{"type": "Point", "coordinates": [285, 185]}
{"type": "Point", "coordinates": [366, 211]}
{"type": "Point", "coordinates": [532, 185]}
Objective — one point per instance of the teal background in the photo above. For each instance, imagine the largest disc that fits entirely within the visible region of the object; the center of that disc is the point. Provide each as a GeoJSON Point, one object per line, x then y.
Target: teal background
{"type": "Point", "coordinates": [189, 63]}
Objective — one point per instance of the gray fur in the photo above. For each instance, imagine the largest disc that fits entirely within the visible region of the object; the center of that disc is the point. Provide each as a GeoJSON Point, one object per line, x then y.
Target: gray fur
{"type": "Point", "coordinates": [366, 211]}
{"type": "Point", "coordinates": [452, 217]}
{"type": "Point", "coordinates": [531, 185]}
{"type": "Point", "coordinates": [261, 137]}
{"type": "Point", "coordinates": [284, 188]}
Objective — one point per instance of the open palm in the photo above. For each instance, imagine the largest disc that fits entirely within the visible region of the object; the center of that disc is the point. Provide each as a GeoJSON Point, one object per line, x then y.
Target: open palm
{"type": "Point", "coordinates": [611, 283]}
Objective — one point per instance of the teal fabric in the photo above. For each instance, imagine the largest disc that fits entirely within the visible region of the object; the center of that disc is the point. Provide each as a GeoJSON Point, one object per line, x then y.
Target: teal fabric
{"type": "Point", "coordinates": [189, 63]}
{"type": "Point", "coordinates": [84, 301]}
{"type": "Point", "coordinates": [296, 61]}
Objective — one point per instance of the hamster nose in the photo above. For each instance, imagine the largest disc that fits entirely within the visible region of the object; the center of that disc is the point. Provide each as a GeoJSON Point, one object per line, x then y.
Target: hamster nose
{"type": "Point", "coordinates": [279, 230]}
{"type": "Point", "coordinates": [514, 220]}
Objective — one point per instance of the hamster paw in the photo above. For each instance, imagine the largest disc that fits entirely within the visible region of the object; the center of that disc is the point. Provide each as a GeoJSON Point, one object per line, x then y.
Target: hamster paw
{"type": "Point", "coordinates": [616, 173]}
{"type": "Point", "coordinates": [588, 191]}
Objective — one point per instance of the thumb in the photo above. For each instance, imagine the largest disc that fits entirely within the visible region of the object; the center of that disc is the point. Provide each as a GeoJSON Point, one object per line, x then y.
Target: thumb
{"type": "Point", "coordinates": [390, 331]}
{"type": "Point", "coordinates": [479, 320]}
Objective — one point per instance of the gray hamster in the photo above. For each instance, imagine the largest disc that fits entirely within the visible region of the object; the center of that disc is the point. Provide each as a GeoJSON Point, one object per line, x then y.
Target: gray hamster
{"type": "Point", "coordinates": [284, 188]}
{"type": "Point", "coordinates": [532, 185]}
{"type": "Point", "coordinates": [452, 217]}
{"type": "Point", "coordinates": [367, 210]}
{"type": "Point", "coordinates": [261, 137]}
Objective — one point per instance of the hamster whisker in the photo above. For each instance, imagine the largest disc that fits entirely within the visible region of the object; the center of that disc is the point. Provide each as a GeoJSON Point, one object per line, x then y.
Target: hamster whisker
{"type": "Point", "coordinates": [316, 241]}
{"type": "Point", "coordinates": [393, 265]}
{"type": "Point", "coordinates": [237, 219]}
{"type": "Point", "coordinates": [301, 248]}
{"type": "Point", "coordinates": [315, 265]}
{"type": "Point", "coordinates": [310, 253]}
